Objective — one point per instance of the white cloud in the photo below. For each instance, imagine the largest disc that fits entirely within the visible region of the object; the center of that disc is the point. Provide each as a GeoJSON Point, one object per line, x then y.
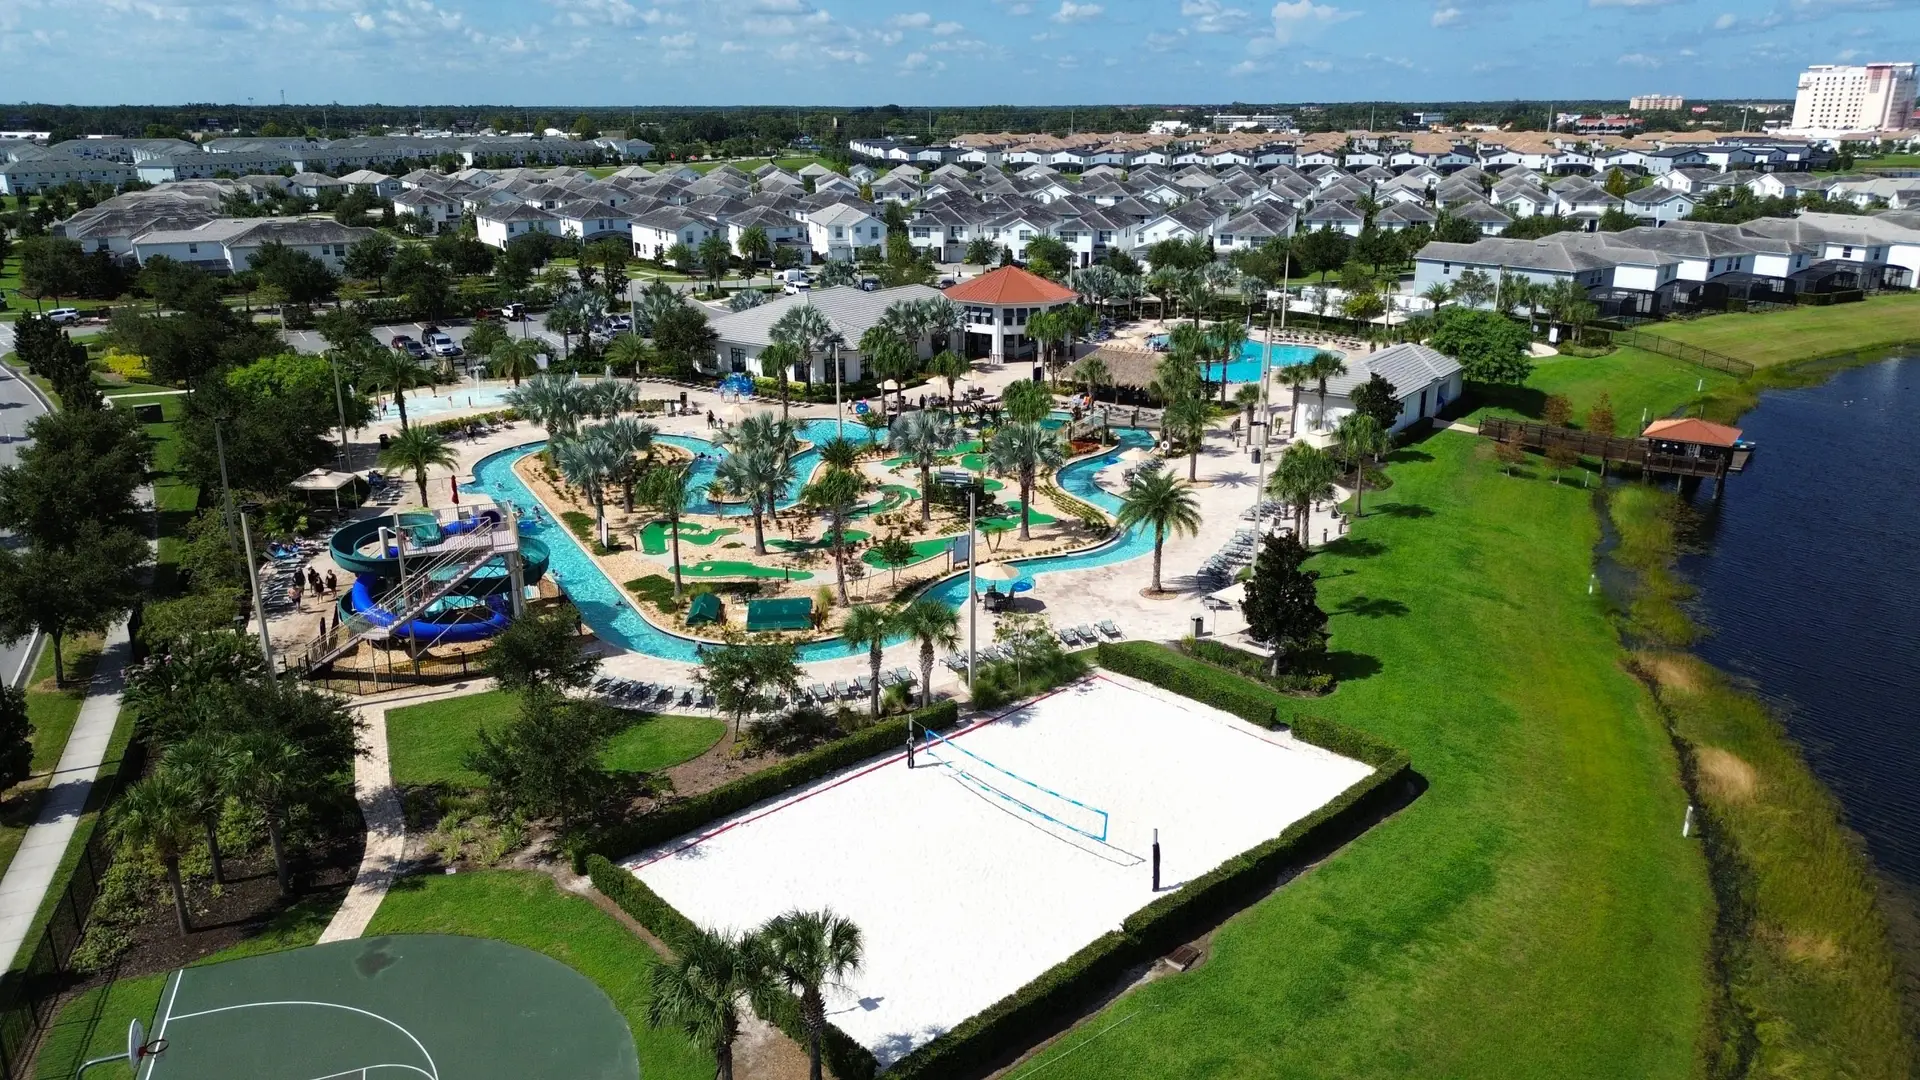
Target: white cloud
{"type": "Point", "coordinates": [1726, 21]}
{"type": "Point", "coordinates": [1213, 17]}
{"type": "Point", "coordinates": [1639, 60]}
{"type": "Point", "coordinates": [1160, 42]}
{"type": "Point", "coordinates": [1248, 67]}
{"type": "Point", "coordinates": [1293, 19]}
{"type": "Point", "coordinates": [1317, 65]}
{"type": "Point", "coordinates": [730, 47]}
{"type": "Point", "coordinates": [948, 28]}
{"type": "Point", "coordinates": [1071, 12]}
{"type": "Point", "coordinates": [914, 61]}
{"type": "Point", "coordinates": [1446, 16]}
{"type": "Point", "coordinates": [1848, 55]}
{"type": "Point", "coordinates": [913, 20]}
{"type": "Point", "coordinates": [678, 41]}
{"type": "Point", "coordinates": [363, 20]}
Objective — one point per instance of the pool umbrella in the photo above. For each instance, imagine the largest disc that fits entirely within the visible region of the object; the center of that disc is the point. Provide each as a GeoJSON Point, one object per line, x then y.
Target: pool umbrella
{"type": "Point", "coordinates": [996, 571]}
{"type": "Point", "coordinates": [1137, 455]}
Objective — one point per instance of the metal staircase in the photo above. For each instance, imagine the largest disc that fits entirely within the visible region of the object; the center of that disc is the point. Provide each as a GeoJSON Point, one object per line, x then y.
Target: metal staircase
{"type": "Point", "coordinates": [428, 578]}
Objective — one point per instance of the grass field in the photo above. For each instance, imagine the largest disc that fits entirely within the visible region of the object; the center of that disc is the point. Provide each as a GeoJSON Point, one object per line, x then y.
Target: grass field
{"type": "Point", "coordinates": [1637, 382]}
{"type": "Point", "coordinates": [528, 910]}
{"type": "Point", "coordinates": [95, 1023]}
{"type": "Point", "coordinates": [1804, 333]}
{"type": "Point", "coordinates": [52, 713]}
{"type": "Point", "coordinates": [1535, 913]}
{"type": "Point", "coordinates": [428, 743]}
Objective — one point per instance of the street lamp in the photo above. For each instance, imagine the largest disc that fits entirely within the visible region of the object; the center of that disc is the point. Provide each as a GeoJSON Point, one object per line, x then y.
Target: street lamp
{"type": "Point", "coordinates": [253, 576]}
{"type": "Point", "coordinates": [973, 560]}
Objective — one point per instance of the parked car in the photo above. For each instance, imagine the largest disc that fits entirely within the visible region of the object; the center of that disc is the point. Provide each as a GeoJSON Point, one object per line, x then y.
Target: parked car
{"type": "Point", "coordinates": [514, 312]}
{"type": "Point", "coordinates": [64, 315]}
{"type": "Point", "coordinates": [868, 282]}
{"type": "Point", "coordinates": [618, 323]}
{"type": "Point", "coordinates": [795, 288]}
{"type": "Point", "coordinates": [446, 346]}
{"type": "Point", "coordinates": [791, 276]}
{"type": "Point", "coordinates": [411, 347]}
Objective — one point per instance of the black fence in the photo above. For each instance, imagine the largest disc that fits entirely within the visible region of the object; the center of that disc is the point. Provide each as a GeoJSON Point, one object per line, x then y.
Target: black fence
{"type": "Point", "coordinates": [29, 994]}
{"type": "Point", "coordinates": [1692, 354]}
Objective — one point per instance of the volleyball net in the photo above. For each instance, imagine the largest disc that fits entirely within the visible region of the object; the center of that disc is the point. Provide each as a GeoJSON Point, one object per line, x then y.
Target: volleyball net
{"type": "Point", "coordinates": [1016, 791]}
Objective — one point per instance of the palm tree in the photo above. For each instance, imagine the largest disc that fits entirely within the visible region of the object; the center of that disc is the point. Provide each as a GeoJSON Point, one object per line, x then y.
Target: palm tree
{"type": "Point", "coordinates": [516, 359]}
{"type": "Point", "coordinates": [1473, 287]}
{"type": "Point", "coordinates": [1158, 498]}
{"type": "Point", "coordinates": [1360, 437]}
{"type": "Point", "coordinates": [1326, 365]}
{"type": "Point", "coordinates": [160, 815]}
{"type": "Point", "coordinates": [754, 246]}
{"type": "Point", "coordinates": [264, 771]}
{"type": "Point", "coordinates": [395, 370]}
{"type": "Point", "coordinates": [630, 352]}
{"type": "Point", "coordinates": [811, 952]}
{"type": "Point", "coordinates": [655, 301]}
{"type": "Point", "coordinates": [1024, 450]}
{"type": "Point", "coordinates": [942, 319]}
{"type": "Point", "coordinates": [1438, 294]}
{"type": "Point", "coordinates": [665, 490]}
{"type": "Point", "coordinates": [1296, 376]}
{"type": "Point", "coordinates": [923, 437]}
{"type": "Point", "coordinates": [1046, 329]}
{"type": "Point", "coordinates": [935, 626]}
{"type": "Point", "coordinates": [416, 450]}
{"type": "Point", "coordinates": [1187, 417]}
{"type": "Point", "coordinates": [485, 339]}
{"type": "Point", "coordinates": [886, 355]}
{"type": "Point", "coordinates": [1226, 339]}
{"type": "Point", "coordinates": [952, 367]}
{"type": "Point", "coordinates": [1092, 373]}
{"type": "Point", "coordinates": [199, 763]}
{"type": "Point", "coordinates": [836, 495]}
{"type": "Point", "coordinates": [701, 990]}
{"type": "Point", "coordinates": [1302, 476]}
{"type": "Point", "coordinates": [870, 625]}
{"type": "Point", "coordinates": [552, 400]}
{"type": "Point", "coordinates": [757, 475]}
{"type": "Point", "coordinates": [632, 438]}
{"type": "Point", "coordinates": [1247, 397]}
{"type": "Point", "coordinates": [808, 329]}
{"type": "Point", "coordinates": [588, 462]}
{"type": "Point", "coordinates": [777, 362]}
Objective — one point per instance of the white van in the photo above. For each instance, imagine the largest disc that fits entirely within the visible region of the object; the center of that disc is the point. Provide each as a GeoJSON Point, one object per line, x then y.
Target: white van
{"type": "Point", "coordinates": [791, 277]}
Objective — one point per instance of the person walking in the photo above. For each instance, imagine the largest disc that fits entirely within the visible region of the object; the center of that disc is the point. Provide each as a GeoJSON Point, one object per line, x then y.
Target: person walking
{"type": "Point", "coordinates": [333, 583]}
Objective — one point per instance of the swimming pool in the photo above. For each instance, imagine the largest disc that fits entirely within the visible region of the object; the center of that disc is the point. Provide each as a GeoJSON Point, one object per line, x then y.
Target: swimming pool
{"type": "Point", "coordinates": [466, 396]}
{"type": "Point", "coordinates": [708, 455]}
{"type": "Point", "coordinates": [1246, 369]}
{"type": "Point", "coordinates": [604, 607]}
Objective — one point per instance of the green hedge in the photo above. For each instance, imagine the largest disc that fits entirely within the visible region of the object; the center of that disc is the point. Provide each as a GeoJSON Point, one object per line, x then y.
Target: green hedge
{"type": "Point", "coordinates": [1038, 1009]}
{"type": "Point", "coordinates": [847, 1059]}
{"type": "Point", "coordinates": [689, 814]}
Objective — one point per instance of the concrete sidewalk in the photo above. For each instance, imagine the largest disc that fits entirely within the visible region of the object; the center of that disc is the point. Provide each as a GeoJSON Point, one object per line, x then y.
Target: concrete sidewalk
{"type": "Point", "coordinates": [32, 871]}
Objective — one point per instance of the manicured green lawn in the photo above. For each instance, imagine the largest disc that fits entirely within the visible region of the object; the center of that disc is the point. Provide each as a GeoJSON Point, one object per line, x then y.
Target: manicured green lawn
{"type": "Point", "coordinates": [526, 909]}
{"type": "Point", "coordinates": [1778, 337]}
{"type": "Point", "coordinates": [95, 1023]}
{"type": "Point", "coordinates": [1535, 913]}
{"type": "Point", "coordinates": [428, 743]}
{"type": "Point", "coordinates": [52, 713]}
{"type": "Point", "coordinates": [1637, 382]}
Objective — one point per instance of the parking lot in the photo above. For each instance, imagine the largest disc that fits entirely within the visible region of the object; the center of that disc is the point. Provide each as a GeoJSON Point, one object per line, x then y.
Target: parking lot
{"type": "Point", "coordinates": [310, 341]}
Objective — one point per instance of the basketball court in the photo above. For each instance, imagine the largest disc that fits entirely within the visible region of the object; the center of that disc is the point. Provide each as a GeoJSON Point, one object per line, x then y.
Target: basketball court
{"type": "Point", "coordinates": [1004, 848]}
{"type": "Point", "coordinates": [405, 1007]}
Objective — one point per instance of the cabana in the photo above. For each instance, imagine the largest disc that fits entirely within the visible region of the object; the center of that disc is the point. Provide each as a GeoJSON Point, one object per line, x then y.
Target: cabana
{"type": "Point", "coordinates": [705, 608]}
{"type": "Point", "coordinates": [785, 613]}
{"type": "Point", "coordinates": [325, 480]}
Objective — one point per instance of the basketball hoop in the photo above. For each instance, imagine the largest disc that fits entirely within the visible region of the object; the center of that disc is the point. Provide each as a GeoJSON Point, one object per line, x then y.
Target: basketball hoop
{"type": "Point", "coordinates": [138, 1050]}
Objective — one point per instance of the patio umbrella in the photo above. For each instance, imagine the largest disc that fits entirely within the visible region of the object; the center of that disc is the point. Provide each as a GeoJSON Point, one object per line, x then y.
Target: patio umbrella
{"type": "Point", "coordinates": [1137, 455]}
{"type": "Point", "coordinates": [997, 571]}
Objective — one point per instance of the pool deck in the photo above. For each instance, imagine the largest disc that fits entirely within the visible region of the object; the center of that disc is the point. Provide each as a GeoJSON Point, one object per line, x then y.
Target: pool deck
{"type": "Point", "coordinates": [1228, 481]}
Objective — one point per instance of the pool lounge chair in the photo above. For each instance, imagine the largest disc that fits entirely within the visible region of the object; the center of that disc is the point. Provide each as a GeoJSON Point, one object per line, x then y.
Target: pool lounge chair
{"type": "Point", "coordinates": [820, 693]}
{"type": "Point", "coordinates": [1107, 628]}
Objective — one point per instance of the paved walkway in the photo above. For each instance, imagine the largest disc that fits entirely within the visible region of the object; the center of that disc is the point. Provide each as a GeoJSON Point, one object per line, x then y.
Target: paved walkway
{"type": "Point", "coordinates": [385, 856]}
{"type": "Point", "coordinates": [31, 873]}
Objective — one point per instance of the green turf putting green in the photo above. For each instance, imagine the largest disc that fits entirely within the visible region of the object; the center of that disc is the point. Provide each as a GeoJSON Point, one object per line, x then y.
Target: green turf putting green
{"type": "Point", "coordinates": [655, 538]}
{"type": "Point", "coordinates": [1012, 517]}
{"type": "Point", "coordinates": [661, 741]}
{"type": "Point", "coordinates": [854, 536]}
{"type": "Point", "coordinates": [922, 551]}
{"type": "Point", "coordinates": [892, 497]}
{"type": "Point", "coordinates": [723, 568]}
{"type": "Point", "coordinates": [428, 1005]}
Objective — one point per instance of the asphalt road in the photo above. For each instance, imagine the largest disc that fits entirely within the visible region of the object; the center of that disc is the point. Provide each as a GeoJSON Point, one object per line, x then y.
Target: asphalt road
{"type": "Point", "coordinates": [18, 406]}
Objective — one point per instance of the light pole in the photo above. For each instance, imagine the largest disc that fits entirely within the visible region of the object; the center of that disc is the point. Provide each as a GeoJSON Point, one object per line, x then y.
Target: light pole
{"type": "Point", "coordinates": [346, 453]}
{"type": "Point", "coordinates": [226, 489]}
{"type": "Point", "coordinates": [1266, 419]}
{"type": "Point", "coordinates": [253, 576]}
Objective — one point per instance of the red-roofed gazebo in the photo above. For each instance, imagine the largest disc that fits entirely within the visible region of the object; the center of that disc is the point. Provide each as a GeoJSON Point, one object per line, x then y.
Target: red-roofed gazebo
{"type": "Point", "coordinates": [998, 304]}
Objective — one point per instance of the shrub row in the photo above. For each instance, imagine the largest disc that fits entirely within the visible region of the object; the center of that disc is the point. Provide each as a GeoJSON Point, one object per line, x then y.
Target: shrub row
{"type": "Point", "coordinates": [1228, 692]}
{"type": "Point", "coordinates": [846, 1058]}
{"type": "Point", "coordinates": [1254, 666]}
{"type": "Point", "coordinates": [1040, 1008]}
{"type": "Point", "coordinates": [689, 814]}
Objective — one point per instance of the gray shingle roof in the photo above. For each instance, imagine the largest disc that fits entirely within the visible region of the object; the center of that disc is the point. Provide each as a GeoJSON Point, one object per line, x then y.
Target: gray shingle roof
{"type": "Point", "coordinates": [851, 311]}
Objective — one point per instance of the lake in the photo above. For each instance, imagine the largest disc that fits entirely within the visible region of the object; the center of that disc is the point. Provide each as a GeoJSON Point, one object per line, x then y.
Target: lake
{"type": "Point", "coordinates": [1809, 579]}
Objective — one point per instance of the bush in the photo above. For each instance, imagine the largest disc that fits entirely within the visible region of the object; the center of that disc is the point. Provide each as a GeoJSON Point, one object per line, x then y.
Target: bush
{"type": "Point", "coordinates": [129, 366]}
{"type": "Point", "coordinates": [1000, 683]}
{"type": "Point", "coordinates": [686, 815]}
{"type": "Point", "coordinates": [1254, 666]}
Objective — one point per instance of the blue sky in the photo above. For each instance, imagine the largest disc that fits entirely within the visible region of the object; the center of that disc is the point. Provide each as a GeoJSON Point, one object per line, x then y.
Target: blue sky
{"type": "Point", "coordinates": [616, 52]}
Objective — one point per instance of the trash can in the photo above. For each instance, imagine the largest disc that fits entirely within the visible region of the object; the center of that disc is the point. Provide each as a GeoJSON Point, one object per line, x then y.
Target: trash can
{"type": "Point", "coordinates": [683, 399]}
{"type": "Point", "coordinates": [1256, 455]}
{"type": "Point", "coordinates": [1199, 626]}
{"type": "Point", "coordinates": [384, 440]}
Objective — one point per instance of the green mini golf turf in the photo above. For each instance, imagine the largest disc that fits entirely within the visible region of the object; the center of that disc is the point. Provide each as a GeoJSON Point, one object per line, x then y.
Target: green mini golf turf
{"type": "Point", "coordinates": [854, 536]}
{"type": "Point", "coordinates": [655, 538]}
{"type": "Point", "coordinates": [720, 568]}
{"type": "Point", "coordinates": [922, 551]}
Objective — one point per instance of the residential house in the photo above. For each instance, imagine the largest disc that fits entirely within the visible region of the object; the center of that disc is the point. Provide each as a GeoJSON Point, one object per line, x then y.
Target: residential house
{"type": "Point", "coordinates": [502, 223]}
{"type": "Point", "coordinates": [434, 210]}
{"type": "Point", "coordinates": [837, 231]}
{"type": "Point", "coordinates": [657, 231]}
{"type": "Point", "coordinates": [1424, 381]}
{"type": "Point", "coordinates": [740, 337]}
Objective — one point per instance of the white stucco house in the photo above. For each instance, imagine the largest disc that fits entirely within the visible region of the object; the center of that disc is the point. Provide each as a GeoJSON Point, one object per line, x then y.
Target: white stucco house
{"type": "Point", "coordinates": [503, 223]}
{"type": "Point", "coordinates": [839, 230]}
{"type": "Point", "coordinates": [1424, 380]}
